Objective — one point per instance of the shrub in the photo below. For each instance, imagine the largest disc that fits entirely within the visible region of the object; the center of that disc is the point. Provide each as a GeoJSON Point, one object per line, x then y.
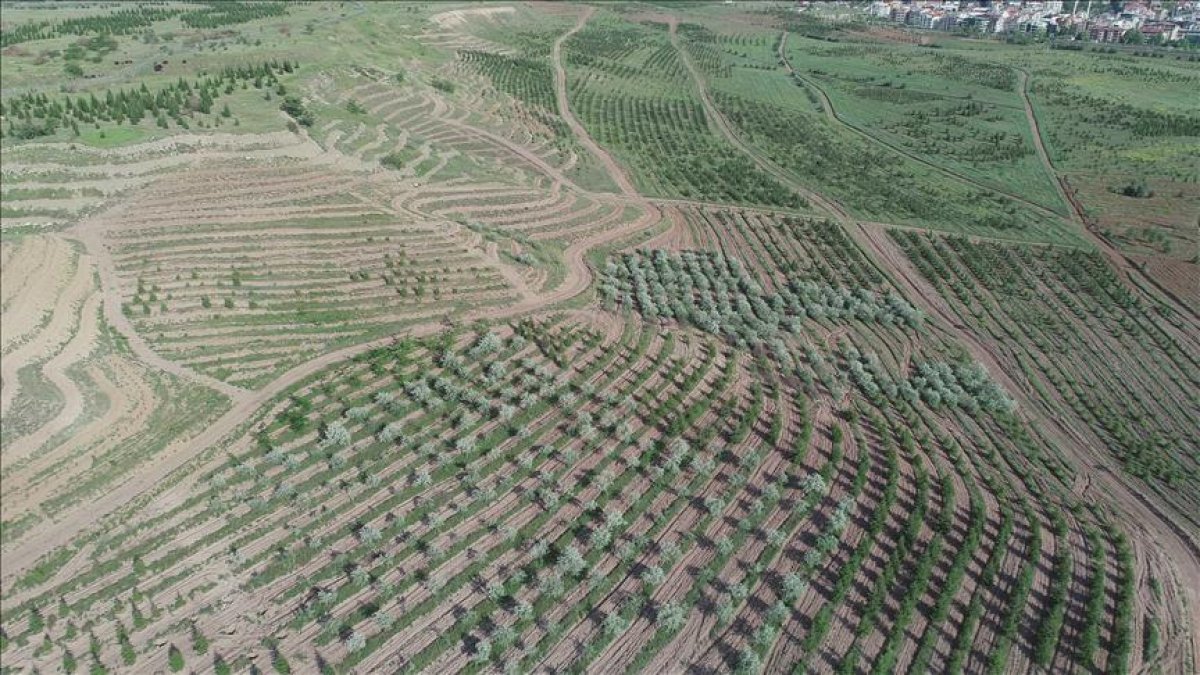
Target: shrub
{"type": "Point", "coordinates": [295, 109]}
{"type": "Point", "coordinates": [174, 658]}
{"type": "Point", "coordinates": [199, 642]}
{"type": "Point", "coordinates": [391, 432]}
{"type": "Point", "coordinates": [671, 617]}
{"type": "Point", "coordinates": [335, 435]}
{"type": "Point", "coordinates": [128, 654]}
{"type": "Point", "coordinates": [615, 624]}
{"type": "Point", "coordinates": [1137, 189]}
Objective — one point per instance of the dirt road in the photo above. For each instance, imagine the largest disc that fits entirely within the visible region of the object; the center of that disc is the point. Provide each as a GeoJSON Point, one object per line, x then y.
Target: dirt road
{"type": "Point", "coordinates": [564, 110]}
{"type": "Point", "coordinates": [247, 403]}
{"type": "Point", "coordinates": [722, 125]}
{"type": "Point", "coordinates": [1154, 521]}
{"type": "Point", "coordinates": [1157, 522]}
{"type": "Point", "coordinates": [578, 277]}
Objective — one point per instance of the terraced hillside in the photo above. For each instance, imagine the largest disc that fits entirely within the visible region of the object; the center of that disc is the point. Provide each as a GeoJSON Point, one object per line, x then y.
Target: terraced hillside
{"type": "Point", "coordinates": [83, 415]}
{"type": "Point", "coordinates": [1125, 366]}
{"type": "Point", "coordinates": [600, 494]}
{"type": "Point", "coordinates": [259, 278]}
{"type": "Point", "coordinates": [541, 338]}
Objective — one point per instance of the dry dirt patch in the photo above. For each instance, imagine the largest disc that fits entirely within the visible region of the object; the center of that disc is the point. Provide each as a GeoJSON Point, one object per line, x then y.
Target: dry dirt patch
{"type": "Point", "coordinates": [457, 17]}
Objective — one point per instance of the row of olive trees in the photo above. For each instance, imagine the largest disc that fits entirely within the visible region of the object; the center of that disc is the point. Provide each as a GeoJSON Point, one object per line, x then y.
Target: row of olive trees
{"type": "Point", "coordinates": [719, 296]}
{"type": "Point", "coordinates": [939, 384]}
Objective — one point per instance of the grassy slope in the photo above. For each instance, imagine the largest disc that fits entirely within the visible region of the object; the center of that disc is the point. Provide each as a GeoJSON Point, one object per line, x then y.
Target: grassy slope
{"type": "Point", "coordinates": [859, 78]}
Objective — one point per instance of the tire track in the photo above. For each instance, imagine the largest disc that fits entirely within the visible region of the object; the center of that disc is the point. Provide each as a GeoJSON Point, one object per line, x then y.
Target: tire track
{"type": "Point", "coordinates": [1182, 546]}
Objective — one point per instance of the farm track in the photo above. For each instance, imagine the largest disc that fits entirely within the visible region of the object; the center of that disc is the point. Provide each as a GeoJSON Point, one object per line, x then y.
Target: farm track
{"type": "Point", "coordinates": [76, 349]}
{"type": "Point", "coordinates": [131, 399]}
{"type": "Point", "coordinates": [215, 579]}
{"type": "Point", "coordinates": [564, 110]}
{"type": "Point", "coordinates": [1119, 260]}
{"type": "Point", "coordinates": [247, 403]}
{"type": "Point", "coordinates": [42, 321]}
{"type": "Point", "coordinates": [1183, 549]}
{"type": "Point", "coordinates": [137, 343]}
{"type": "Point", "coordinates": [722, 125]}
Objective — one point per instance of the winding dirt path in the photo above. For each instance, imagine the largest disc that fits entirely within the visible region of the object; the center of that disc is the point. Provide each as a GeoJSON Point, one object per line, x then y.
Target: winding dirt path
{"type": "Point", "coordinates": [1023, 80]}
{"type": "Point", "coordinates": [578, 277]}
{"type": "Point", "coordinates": [78, 348]}
{"type": "Point", "coordinates": [564, 110]}
{"type": "Point", "coordinates": [1154, 521]}
{"type": "Point", "coordinates": [718, 121]}
{"type": "Point", "coordinates": [179, 453]}
{"type": "Point", "coordinates": [49, 322]}
{"type": "Point", "coordinates": [92, 238]}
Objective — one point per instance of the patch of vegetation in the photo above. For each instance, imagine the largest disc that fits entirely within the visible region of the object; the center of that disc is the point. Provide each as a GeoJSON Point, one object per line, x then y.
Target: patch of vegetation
{"type": "Point", "coordinates": [295, 108]}
{"type": "Point", "coordinates": [32, 115]}
{"type": "Point", "coordinates": [716, 294]}
{"type": "Point", "coordinates": [630, 89]}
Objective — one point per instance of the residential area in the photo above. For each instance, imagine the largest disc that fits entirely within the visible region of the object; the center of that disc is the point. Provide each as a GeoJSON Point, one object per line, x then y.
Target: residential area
{"type": "Point", "coordinates": [1151, 23]}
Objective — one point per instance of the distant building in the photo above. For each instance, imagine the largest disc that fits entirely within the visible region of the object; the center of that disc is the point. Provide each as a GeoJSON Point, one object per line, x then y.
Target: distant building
{"type": "Point", "coordinates": [980, 23]}
{"type": "Point", "coordinates": [1106, 33]}
{"type": "Point", "coordinates": [946, 21]}
{"type": "Point", "coordinates": [1006, 21]}
{"type": "Point", "coordinates": [1161, 30]}
{"type": "Point", "coordinates": [882, 10]}
{"type": "Point", "coordinates": [922, 20]}
{"type": "Point", "coordinates": [1050, 17]}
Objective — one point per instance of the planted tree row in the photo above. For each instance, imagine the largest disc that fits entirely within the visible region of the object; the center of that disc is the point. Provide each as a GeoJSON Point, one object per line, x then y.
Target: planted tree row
{"type": "Point", "coordinates": [630, 89]}
{"type": "Point", "coordinates": [1073, 323]}
{"type": "Point", "coordinates": [716, 294]}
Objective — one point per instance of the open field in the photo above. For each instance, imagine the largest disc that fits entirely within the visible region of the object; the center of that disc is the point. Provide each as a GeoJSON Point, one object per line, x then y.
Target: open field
{"type": "Point", "coordinates": [971, 122]}
{"type": "Point", "coordinates": [554, 337]}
